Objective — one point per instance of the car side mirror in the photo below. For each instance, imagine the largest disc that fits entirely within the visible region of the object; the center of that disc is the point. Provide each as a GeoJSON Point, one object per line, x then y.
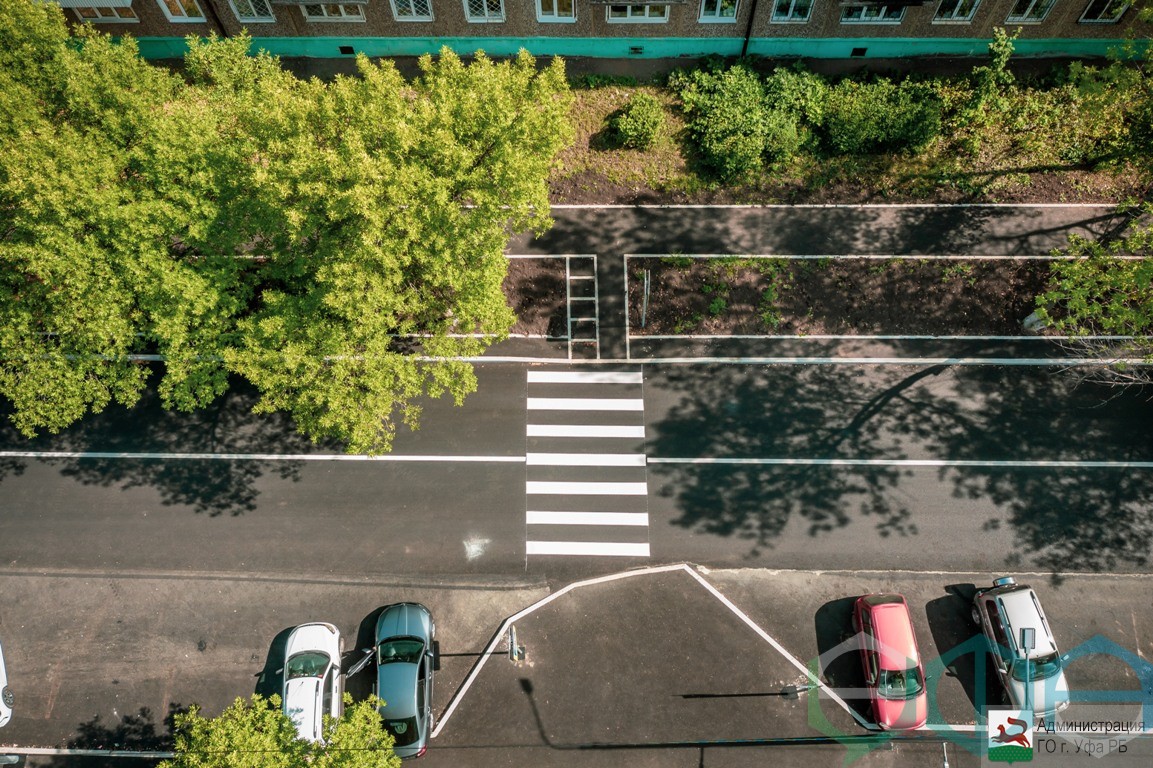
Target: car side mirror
{"type": "Point", "coordinates": [280, 671]}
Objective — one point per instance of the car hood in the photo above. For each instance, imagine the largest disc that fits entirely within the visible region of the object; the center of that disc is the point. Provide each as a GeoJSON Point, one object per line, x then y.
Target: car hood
{"type": "Point", "coordinates": [302, 705]}
{"type": "Point", "coordinates": [1046, 697]}
{"type": "Point", "coordinates": [314, 637]}
{"type": "Point", "coordinates": [901, 714]}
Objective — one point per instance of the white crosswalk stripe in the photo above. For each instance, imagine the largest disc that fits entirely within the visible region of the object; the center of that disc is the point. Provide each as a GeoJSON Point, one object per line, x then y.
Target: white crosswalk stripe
{"type": "Point", "coordinates": [586, 477]}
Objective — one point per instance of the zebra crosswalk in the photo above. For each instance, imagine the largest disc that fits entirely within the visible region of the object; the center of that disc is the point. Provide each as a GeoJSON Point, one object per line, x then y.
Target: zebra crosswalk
{"type": "Point", "coordinates": [586, 479]}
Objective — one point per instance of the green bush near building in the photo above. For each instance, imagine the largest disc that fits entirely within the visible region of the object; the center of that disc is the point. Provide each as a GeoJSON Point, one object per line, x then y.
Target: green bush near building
{"type": "Point", "coordinates": [638, 124]}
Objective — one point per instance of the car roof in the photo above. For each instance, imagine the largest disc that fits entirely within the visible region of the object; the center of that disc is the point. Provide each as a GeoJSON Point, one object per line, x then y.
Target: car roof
{"type": "Point", "coordinates": [896, 643]}
{"type": "Point", "coordinates": [1023, 609]}
{"type": "Point", "coordinates": [396, 684]}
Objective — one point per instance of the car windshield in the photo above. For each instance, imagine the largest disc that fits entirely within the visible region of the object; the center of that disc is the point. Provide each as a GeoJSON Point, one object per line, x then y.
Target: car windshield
{"type": "Point", "coordinates": [1036, 669]}
{"type": "Point", "coordinates": [404, 731]}
{"type": "Point", "coordinates": [406, 649]}
{"type": "Point", "coordinates": [307, 664]}
{"type": "Point", "coordinates": [900, 683]}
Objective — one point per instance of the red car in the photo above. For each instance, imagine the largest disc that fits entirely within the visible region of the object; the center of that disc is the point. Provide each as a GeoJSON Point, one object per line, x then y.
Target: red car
{"type": "Point", "coordinates": [893, 672]}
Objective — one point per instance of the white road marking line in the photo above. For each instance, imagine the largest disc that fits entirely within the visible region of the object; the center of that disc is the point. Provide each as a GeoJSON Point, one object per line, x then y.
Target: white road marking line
{"type": "Point", "coordinates": [587, 548]}
{"type": "Point", "coordinates": [258, 456]}
{"type": "Point", "coordinates": [585, 459]}
{"type": "Point", "coordinates": [789, 206]}
{"type": "Point", "coordinates": [1062, 362]}
{"type": "Point", "coordinates": [587, 518]}
{"type": "Point", "coordinates": [549, 488]}
{"type": "Point", "coordinates": [502, 632]}
{"type": "Point", "coordinates": [870, 256]}
{"type": "Point", "coordinates": [855, 337]}
{"type": "Point", "coordinates": [585, 404]}
{"type": "Point", "coordinates": [779, 648]}
{"type": "Point", "coordinates": [577, 430]}
{"type": "Point", "coordinates": [585, 377]}
{"type": "Point", "coordinates": [992, 463]}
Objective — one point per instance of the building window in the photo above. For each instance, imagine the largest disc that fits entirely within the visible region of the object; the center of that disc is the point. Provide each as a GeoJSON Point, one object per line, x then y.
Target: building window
{"type": "Point", "coordinates": [794, 11]}
{"type": "Point", "coordinates": [412, 10]}
{"type": "Point", "coordinates": [1105, 11]}
{"type": "Point", "coordinates": [99, 15]}
{"type": "Point", "coordinates": [252, 10]}
{"type": "Point", "coordinates": [481, 11]}
{"type": "Point", "coordinates": [637, 14]}
{"type": "Point", "coordinates": [1029, 11]}
{"type": "Point", "coordinates": [555, 10]}
{"type": "Point", "coordinates": [718, 10]}
{"type": "Point", "coordinates": [872, 14]}
{"type": "Point", "coordinates": [332, 12]}
{"type": "Point", "coordinates": [181, 10]}
{"type": "Point", "coordinates": [956, 11]}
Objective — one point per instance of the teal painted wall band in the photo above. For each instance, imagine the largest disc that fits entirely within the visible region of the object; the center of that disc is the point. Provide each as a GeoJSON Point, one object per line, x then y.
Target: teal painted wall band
{"type": "Point", "coordinates": [644, 48]}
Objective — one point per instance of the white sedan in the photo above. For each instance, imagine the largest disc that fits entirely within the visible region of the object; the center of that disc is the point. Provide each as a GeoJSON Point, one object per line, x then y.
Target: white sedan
{"type": "Point", "coordinates": [6, 697]}
{"type": "Point", "coordinates": [313, 686]}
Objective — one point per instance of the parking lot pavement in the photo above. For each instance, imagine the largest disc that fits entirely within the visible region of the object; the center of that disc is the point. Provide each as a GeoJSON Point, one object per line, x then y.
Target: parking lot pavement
{"type": "Point", "coordinates": [99, 661]}
{"type": "Point", "coordinates": [656, 670]}
{"type": "Point", "coordinates": [680, 666]}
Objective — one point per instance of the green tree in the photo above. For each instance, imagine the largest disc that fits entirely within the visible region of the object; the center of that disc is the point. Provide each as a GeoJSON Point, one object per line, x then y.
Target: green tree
{"type": "Point", "coordinates": [340, 245]}
{"type": "Point", "coordinates": [74, 231]}
{"type": "Point", "coordinates": [257, 734]}
{"type": "Point", "coordinates": [1106, 288]}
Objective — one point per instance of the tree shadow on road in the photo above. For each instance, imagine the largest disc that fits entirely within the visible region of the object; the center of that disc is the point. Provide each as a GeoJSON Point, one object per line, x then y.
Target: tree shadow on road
{"type": "Point", "coordinates": [208, 486]}
{"type": "Point", "coordinates": [980, 420]}
{"type": "Point", "coordinates": [135, 732]}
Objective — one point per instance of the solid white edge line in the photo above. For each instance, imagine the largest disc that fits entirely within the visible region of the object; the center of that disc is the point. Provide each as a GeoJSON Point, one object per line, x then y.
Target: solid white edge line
{"type": "Point", "coordinates": [993, 463]}
{"type": "Point", "coordinates": [1023, 463]}
{"type": "Point", "coordinates": [65, 752]}
{"type": "Point", "coordinates": [1068, 362]}
{"type": "Point", "coordinates": [503, 630]}
{"type": "Point", "coordinates": [259, 456]}
{"type": "Point", "coordinates": [585, 459]}
{"type": "Point", "coordinates": [787, 206]}
{"type": "Point", "coordinates": [535, 517]}
{"type": "Point", "coordinates": [853, 337]}
{"type": "Point", "coordinates": [584, 404]}
{"type": "Point", "coordinates": [779, 648]}
{"type": "Point", "coordinates": [871, 256]}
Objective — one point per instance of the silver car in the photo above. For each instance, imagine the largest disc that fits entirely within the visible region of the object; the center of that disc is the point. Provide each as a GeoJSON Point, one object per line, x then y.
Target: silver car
{"type": "Point", "coordinates": [405, 659]}
{"type": "Point", "coordinates": [6, 697]}
{"type": "Point", "coordinates": [313, 686]}
{"type": "Point", "coordinates": [1010, 616]}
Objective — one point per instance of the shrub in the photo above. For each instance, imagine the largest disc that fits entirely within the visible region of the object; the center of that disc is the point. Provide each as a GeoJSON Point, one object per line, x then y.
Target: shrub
{"type": "Point", "coordinates": [639, 122]}
{"type": "Point", "coordinates": [881, 116]}
{"type": "Point", "coordinates": [730, 123]}
{"type": "Point", "coordinates": [801, 94]}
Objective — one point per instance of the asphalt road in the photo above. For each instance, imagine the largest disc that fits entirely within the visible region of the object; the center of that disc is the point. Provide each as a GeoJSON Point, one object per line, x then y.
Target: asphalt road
{"type": "Point", "coordinates": [140, 542]}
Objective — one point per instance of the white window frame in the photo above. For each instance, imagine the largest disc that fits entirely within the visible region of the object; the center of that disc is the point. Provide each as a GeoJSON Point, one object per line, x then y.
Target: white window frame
{"type": "Point", "coordinates": [637, 19]}
{"type": "Point", "coordinates": [775, 18]}
{"type": "Point", "coordinates": [715, 17]}
{"type": "Point", "coordinates": [115, 18]}
{"type": "Point", "coordinates": [412, 4]}
{"type": "Point", "coordinates": [1124, 7]}
{"type": "Point", "coordinates": [183, 19]}
{"type": "Point", "coordinates": [488, 18]}
{"type": "Point", "coordinates": [874, 20]}
{"type": "Point", "coordinates": [1024, 18]}
{"type": "Point", "coordinates": [327, 19]}
{"type": "Point", "coordinates": [553, 16]}
{"type": "Point", "coordinates": [953, 17]}
{"type": "Point", "coordinates": [255, 18]}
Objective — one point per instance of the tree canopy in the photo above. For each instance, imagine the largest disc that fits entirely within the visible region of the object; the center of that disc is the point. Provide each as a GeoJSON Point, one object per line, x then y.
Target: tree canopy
{"type": "Point", "coordinates": [339, 245]}
{"type": "Point", "coordinates": [257, 734]}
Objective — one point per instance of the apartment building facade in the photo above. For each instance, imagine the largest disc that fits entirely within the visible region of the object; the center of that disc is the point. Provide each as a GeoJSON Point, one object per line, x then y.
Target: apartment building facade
{"type": "Point", "coordinates": [643, 29]}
